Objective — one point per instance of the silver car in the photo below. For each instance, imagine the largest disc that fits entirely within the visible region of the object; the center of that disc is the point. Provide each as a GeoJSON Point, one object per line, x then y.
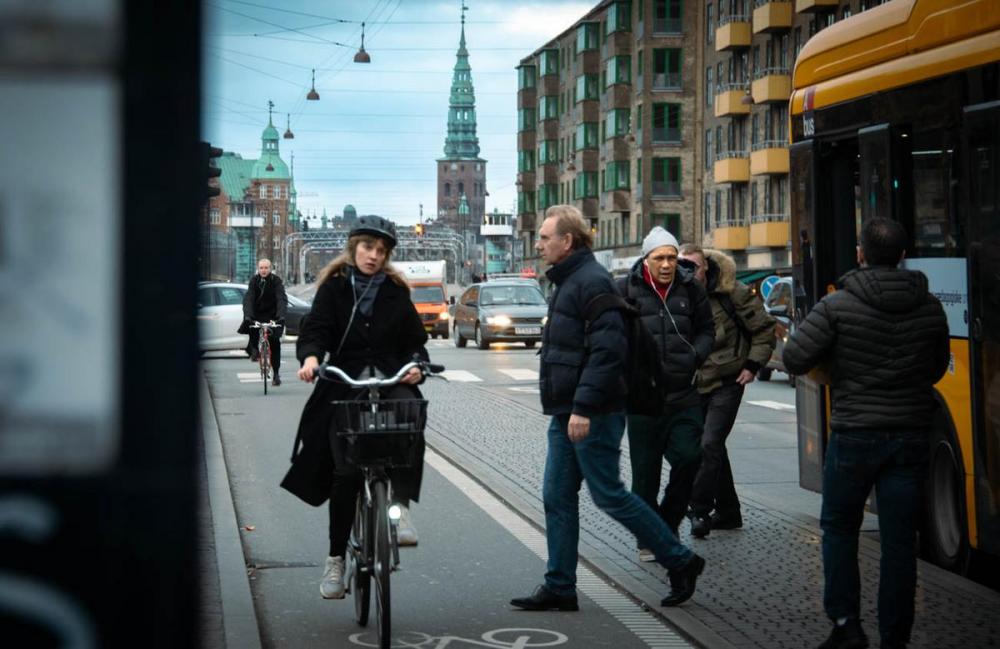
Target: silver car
{"type": "Point", "coordinates": [500, 311]}
{"type": "Point", "coordinates": [220, 313]}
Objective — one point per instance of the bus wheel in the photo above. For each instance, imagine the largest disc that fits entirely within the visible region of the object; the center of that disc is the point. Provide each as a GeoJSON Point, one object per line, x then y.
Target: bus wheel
{"type": "Point", "coordinates": [947, 542]}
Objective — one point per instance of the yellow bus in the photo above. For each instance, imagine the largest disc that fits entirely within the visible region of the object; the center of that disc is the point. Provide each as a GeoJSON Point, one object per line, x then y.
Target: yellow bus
{"type": "Point", "coordinates": [895, 112]}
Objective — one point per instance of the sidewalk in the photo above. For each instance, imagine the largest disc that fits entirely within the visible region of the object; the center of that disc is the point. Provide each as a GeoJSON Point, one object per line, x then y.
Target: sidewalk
{"type": "Point", "coordinates": [763, 584]}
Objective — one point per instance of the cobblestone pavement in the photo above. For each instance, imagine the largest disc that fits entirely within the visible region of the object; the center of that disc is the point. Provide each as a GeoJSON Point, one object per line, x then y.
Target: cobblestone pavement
{"type": "Point", "coordinates": [763, 584]}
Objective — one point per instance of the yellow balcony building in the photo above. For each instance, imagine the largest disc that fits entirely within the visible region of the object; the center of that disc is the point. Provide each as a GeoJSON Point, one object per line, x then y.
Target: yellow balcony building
{"type": "Point", "coordinates": [734, 34]}
{"type": "Point", "coordinates": [772, 17]}
{"type": "Point", "coordinates": [731, 167]}
{"type": "Point", "coordinates": [771, 85]}
{"type": "Point", "coordinates": [769, 157]}
{"type": "Point", "coordinates": [769, 230]}
{"type": "Point", "coordinates": [729, 100]}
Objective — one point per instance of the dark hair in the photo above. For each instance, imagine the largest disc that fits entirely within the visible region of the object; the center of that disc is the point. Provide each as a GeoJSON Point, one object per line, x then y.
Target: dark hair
{"type": "Point", "coordinates": [883, 242]}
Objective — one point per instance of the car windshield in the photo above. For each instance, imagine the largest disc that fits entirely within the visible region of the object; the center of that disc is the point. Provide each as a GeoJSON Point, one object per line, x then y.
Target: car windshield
{"type": "Point", "coordinates": [507, 295]}
{"type": "Point", "coordinates": [425, 294]}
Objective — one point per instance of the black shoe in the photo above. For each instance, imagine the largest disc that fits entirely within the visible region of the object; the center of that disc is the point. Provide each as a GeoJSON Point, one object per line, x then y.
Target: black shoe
{"type": "Point", "coordinates": [682, 582]}
{"type": "Point", "coordinates": [847, 636]}
{"type": "Point", "coordinates": [544, 599]}
{"type": "Point", "coordinates": [700, 526]}
{"type": "Point", "coordinates": [276, 381]}
{"type": "Point", "coordinates": [254, 356]}
{"type": "Point", "coordinates": [726, 522]}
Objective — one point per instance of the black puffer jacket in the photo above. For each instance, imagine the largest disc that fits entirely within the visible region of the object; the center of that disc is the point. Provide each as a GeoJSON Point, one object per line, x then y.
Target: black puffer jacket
{"type": "Point", "coordinates": [883, 339]}
{"type": "Point", "coordinates": [578, 376]}
{"type": "Point", "coordinates": [682, 325]}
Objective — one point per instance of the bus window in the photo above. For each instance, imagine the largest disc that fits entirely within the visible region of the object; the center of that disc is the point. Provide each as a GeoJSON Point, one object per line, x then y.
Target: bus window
{"type": "Point", "coordinates": [875, 177]}
{"type": "Point", "coordinates": [934, 225]}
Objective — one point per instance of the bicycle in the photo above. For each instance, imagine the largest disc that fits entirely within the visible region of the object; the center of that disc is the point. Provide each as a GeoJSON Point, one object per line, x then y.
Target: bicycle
{"type": "Point", "coordinates": [379, 434]}
{"type": "Point", "coordinates": [264, 348]}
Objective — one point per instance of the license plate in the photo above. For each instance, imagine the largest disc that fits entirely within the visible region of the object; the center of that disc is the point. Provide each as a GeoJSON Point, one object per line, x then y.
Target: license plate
{"type": "Point", "coordinates": [527, 331]}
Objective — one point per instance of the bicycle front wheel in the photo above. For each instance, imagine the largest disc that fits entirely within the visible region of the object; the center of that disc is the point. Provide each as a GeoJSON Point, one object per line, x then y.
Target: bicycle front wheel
{"type": "Point", "coordinates": [383, 564]}
{"type": "Point", "coordinates": [265, 362]}
{"type": "Point", "coordinates": [359, 549]}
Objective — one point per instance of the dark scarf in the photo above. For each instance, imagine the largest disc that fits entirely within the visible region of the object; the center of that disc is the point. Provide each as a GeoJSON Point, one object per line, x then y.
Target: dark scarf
{"type": "Point", "coordinates": [365, 289]}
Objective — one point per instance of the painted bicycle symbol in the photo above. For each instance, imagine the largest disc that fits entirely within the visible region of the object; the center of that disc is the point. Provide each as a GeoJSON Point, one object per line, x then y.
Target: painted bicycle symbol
{"type": "Point", "coordinates": [495, 639]}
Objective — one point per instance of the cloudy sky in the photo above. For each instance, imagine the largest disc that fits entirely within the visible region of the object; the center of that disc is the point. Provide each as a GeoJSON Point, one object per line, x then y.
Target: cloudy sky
{"type": "Point", "coordinates": [372, 139]}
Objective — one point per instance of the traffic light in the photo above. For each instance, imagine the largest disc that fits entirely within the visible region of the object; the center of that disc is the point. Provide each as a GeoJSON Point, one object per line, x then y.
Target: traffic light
{"type": "Point", "coordinates": [419, 229]}
{"type": "Point", "coordinates": [211, 170]}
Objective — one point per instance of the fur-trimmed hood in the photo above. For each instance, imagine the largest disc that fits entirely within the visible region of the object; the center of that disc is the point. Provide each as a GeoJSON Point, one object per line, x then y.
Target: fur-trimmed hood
{"type": "Point", "coordinates": [721, 271]}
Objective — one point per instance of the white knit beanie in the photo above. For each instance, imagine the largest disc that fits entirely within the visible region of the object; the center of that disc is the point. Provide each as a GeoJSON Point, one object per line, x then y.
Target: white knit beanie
{"type": "Point", "coordinates": [656, 238]}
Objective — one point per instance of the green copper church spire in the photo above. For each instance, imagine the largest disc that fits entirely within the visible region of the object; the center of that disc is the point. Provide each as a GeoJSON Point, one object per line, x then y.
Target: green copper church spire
{"type": "Point", "coordinates": [461, 142]}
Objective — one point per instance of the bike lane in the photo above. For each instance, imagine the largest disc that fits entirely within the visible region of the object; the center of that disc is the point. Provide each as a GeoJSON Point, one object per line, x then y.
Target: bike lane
{"type": "Point", "coordinates": [452, 590]}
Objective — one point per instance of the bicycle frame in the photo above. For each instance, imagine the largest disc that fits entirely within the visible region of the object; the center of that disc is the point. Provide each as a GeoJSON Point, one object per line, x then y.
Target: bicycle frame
{"type": "Point", "coordinates": [264, 348]}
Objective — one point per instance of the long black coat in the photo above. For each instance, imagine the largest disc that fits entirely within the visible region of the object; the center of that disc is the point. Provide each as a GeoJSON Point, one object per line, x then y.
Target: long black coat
{"type": "Point", "coordinates": [884, 340]}
{"type": "Point", "coordinates": [388, 340]}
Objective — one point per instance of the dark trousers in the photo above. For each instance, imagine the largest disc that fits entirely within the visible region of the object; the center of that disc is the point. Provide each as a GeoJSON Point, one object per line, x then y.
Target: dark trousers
{"type": "Point", "coordinates": [894, 463]}
{"type": "Point", "coordinates": [274, 338]}
{"type": "Point", "coordinates": [713, 486]}
{"type": "Point", "coordinates": [676, 437]}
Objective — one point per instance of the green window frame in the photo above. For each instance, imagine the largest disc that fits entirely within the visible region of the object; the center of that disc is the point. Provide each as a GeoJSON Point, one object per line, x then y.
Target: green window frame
{"type": "Point", "coordinates": [587, 37]}
{"type": "Point", "coordinates": [616, 175]}
{"type": "Point", "coordinates": [548, 195]}
{"type": "Point", "coordinates": [587, 88]}
{"type": "Point", "coordinates": [618, 70]}
{"type": "Point", "coordinates": [526, 77]}
{"type": "Point", "coordinates": [667, 177]}
{"type": "Point", "coordinates": [548, 107]}
{"type": "Point", "coordinates": [669, 17]}
{"type": "Point", "coordinates": [525, 202]}
{"type": "Point", "coordinates": [618, 123]}
{"type": "Point", "coordinates": [667, 68]}
{"type": "Point", "coordinates": [525, 160]}
{"type": "Point", "coordinates": [548, 62]}
{"type": "Point", "coordinates": [671, 222]}
{"type": "Point", "coordinates": [638, 170]}
{"type": "Point", "coordinates": [526, 119]}
{"type": "Point", "coordinates": [585, 185]}
{"type": "Point", "coordinates": [548, 152]}
{"type": "Point", "coordinates": [587, 135]}
{"type": "Point", "coordinates": [619, 17]}
{"type": "Point", "coordinates": [667, 122]}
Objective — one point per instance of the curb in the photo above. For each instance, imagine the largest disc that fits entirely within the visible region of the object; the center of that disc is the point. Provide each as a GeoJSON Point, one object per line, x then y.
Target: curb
{"type": "Point", "coordinates": [689, 626]}
{"type": "Point", "coordinates": [239, 617]}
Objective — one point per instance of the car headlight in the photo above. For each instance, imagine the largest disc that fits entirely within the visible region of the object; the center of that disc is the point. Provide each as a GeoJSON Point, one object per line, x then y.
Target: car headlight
{"type": "Point", "coordinates": [498, 320]}
{"type": "Point", "coordinates": [545, 319]}
{"type": "Point", "coordinates": [443, 315]}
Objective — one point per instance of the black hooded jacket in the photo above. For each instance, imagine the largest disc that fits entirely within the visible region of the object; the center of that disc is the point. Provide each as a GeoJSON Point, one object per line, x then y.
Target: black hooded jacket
{"type": "Point", "coordinates": [579, 374]}
{"type": "Point", "coordinates": [682, 326]}
{"type": "Point", "coordinates": [884, 341]}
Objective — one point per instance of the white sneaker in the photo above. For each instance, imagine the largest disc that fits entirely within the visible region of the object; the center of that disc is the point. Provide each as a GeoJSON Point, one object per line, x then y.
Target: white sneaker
{"type": "Point", "coordinates": [646, 555]}
{"type": "Point", "coordinates": [406, 534]}
{"type": "Point", "coordinates": [332, 585]}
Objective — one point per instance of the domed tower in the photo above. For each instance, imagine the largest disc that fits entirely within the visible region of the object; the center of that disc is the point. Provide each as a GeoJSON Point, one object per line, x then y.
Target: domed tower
{"type": "Point", "coordinates": [461, 171]}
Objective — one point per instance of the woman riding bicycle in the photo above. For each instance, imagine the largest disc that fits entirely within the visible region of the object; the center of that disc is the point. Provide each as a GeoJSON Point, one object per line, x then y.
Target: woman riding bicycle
{"type": "Point", "coordinates": [363, 317]}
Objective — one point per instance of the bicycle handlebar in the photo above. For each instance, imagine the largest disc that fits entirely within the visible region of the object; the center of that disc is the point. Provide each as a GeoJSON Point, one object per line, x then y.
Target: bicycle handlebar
{"type": "Point", "coordinates": [325, 370]}
{"type": "Point", "coordinates": [265, 325]}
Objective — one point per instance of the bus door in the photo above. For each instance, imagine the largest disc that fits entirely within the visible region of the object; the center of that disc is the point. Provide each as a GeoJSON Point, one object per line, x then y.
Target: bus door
{"type": "Point", "coordinates": [825, 217]}
{"type": "Point", "coordinates": [981, 140]}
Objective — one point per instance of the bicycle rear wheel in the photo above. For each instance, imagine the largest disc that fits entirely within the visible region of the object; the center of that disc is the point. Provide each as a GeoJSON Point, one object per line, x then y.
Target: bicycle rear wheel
{"type": "Point", "coordinates": [359, 548]}
{"type": "Point", "coordinates": [382, 565]}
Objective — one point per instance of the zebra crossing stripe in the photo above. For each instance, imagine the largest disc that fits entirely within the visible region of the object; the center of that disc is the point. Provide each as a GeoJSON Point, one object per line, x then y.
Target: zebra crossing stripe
{"type": "Point", "coordinates": [520, 374]}
{"type": "Point", "coordinates": [650, 629]}
{"type": "Point", "coordinates": [461, 376]}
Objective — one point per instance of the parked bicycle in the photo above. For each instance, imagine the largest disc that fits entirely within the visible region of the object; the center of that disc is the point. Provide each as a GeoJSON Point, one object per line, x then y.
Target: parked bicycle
{"type": "Point", "coordinates": [264, 348]}
{"type": "Point", "coordinates": [380, 434]}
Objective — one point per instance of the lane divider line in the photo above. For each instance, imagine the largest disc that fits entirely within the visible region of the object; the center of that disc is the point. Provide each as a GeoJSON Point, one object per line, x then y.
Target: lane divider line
{"type": "Point", "coordinates": [649, 628]}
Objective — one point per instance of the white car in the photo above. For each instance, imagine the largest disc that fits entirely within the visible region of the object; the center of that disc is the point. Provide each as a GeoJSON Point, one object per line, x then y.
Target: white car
{"type": "Point", "coordinates": [220, 313]}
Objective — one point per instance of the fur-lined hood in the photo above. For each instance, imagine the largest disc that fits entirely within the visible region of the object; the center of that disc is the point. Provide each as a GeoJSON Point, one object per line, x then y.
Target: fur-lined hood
{"type": "Point", "coordinates": [721, 271]}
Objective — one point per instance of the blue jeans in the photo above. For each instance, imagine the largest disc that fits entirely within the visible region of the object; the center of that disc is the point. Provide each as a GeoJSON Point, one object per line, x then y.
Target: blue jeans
{"type": "Point", "coordinates": [894, 463]}
{"type": "Point", "coordinates": [594, 459]}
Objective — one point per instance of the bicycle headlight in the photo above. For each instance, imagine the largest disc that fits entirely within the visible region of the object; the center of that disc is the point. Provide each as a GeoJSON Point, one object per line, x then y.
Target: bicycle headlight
{"type": "Point", "coordinates": [498, 320]}
{"type": "Point", "coordinates": [395, 512]}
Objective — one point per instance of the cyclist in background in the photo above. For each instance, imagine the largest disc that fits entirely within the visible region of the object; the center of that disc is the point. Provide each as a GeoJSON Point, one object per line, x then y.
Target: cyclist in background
{"type": "Point", "coordinates": [363, 318]}
{"type": "Point", "coordinates": [265, 300]}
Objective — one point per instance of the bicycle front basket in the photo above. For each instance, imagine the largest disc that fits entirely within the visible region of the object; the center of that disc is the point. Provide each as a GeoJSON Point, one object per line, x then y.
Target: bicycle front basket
{"type": "Point", "coordinates": [380, 433]}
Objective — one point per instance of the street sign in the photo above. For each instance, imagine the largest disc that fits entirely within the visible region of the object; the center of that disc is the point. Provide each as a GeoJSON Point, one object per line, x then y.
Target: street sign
{"type": "Point", "coordinates": [767, 284]}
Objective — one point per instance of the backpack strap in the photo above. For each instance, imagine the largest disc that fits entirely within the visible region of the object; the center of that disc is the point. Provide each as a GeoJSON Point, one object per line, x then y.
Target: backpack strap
{"type": "Point", "coordinates": [727, 305]}
{"type": "Point", "coordinates": [599, 304]}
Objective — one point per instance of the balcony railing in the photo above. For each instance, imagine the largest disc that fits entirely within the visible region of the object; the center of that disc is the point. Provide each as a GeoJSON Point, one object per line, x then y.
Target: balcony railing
{"type": "Point", "coordinates": [731, 222]}
{"type": "Point", "coordinates": [668, 188]}
{"type": "Point", "coordinates": [667, 81]}
{"type": "Point", "coordinates": [769, 218]}
{"type": "Point", "coordinates": [767, 72]}
{"type": "Point", "coordinates": [668, 26]}
{"type": "Point", "coordinates": [733, 18]}
{"type": "Point", "coordinates": [727, 155]}
{"type": "Point", "coordinates": [666, 135]}
{"type": "Point", "coordinates": [769, 144]}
